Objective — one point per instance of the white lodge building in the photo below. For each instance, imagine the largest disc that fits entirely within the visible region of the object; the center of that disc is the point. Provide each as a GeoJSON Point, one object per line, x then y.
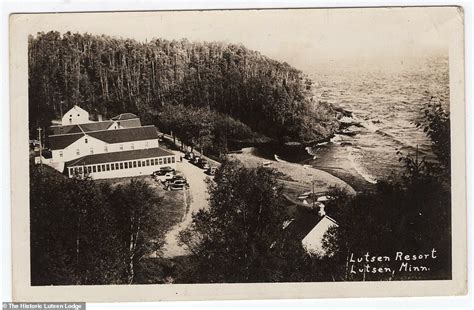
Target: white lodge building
{"type": "Point", "coordinates": [120, 147]}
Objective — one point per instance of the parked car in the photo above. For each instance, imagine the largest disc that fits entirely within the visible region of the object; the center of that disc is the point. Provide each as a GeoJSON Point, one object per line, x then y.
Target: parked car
{"type": "Point", "coordinates": [203, 164]}
{"type": "Point", "coordinates": [189, 155]}
{"type": "Point", "coordinates": [177, 184]}
{"type": "Point", "coordinates": [163, 170]}
{"type": "Point", "coordinates": [211, 170]}
{"type": "Point", "coordinates": [196, 160]}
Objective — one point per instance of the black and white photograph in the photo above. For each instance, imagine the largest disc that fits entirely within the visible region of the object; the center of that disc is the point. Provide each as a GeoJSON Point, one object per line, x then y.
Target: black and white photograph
{"type": "Point", "coordinates": [241, 147]}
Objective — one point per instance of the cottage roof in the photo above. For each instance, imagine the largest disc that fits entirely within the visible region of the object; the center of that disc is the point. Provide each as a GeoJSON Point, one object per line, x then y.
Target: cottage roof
{"type": "Point", "coordinates": [118, 156]}
{"type": "Point", "coordinates": [124, 116]}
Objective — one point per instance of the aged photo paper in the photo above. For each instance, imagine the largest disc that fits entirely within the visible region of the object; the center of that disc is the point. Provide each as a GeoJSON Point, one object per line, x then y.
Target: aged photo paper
{"type": "Point", "coordinates": [238, 154]}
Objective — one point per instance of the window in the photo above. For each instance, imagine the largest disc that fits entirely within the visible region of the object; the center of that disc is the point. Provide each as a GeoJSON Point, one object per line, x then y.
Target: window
{"type": "Point", "coordinates": [89, 169]}
{"type": "Point", "coordinates": [112, 167]}
{"type": "Point", "coordinates": [121, 147]}
{"type": "Point", "coordinates": [134, 164]}
{"type": "Point", "coordinates": [172, 159]}
{"type": "Point", "coordinates": [147, 162]}
{"type": "Point", "coordinates": [132, 147]}
{"type": "Point", "coordinates": [92, 151]}
{"type": "Point", "coordinates": [117, 166]}
{"type": "Point", "coordinates": [143, 163]}
{"type": "Point", "coordinates": [105, 148]}
{"type": "Point", "coordinates": [108, 167]}
{"type": "Point", "coordinates": [60, 153]}
{"type": "Point", "coordinates": [130, 164]}
{"type": "Point", "coordinates": [139, 163]}
{"type": "Point", "coordinates": [126, 165]}
{"type": "Point", "coordinates": [169, 160]}
{"type": "Point", "coordinates": [152, 162]}
{"type": "Point", "coordinates": [98, 168]}
{"type": "Point", "coordinates": [78, 114]}
{"type": "Point", "coordinates": [160, 160]}
{"type": "Point", "coordinates": [93, 169]}
{"type": "Point", "coordinates": [103, 167]}
{"type": "Point", "coordinates": [156, 161]}
{"type": "Point", "coordinates": [85, 140]}
{"type": "Point", "coordinates": [121, 165]}
{"type": "Point", "coordinates": [78, 152]}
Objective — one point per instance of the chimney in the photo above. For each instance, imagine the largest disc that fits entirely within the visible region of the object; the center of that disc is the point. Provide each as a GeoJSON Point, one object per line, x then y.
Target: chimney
{"type": "Point", "coordinates": [99, 117]}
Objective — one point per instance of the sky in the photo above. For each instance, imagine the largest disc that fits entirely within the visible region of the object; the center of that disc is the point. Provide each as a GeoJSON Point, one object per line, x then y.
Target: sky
{"type": "Point", "coordinates": [300, 37]}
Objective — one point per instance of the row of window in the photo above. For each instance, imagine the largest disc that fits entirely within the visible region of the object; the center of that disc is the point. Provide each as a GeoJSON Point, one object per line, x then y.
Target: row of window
{"type": "Point", "coordinates": [122, 165]}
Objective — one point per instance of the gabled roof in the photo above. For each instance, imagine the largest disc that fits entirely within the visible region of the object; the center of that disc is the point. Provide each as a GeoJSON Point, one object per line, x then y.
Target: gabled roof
{"type": "Point", "coordinates": [61, 141]}
{"type": "Point", "coordinates": [76, 109]}
{"type": "Point", "coordinates": [127, 123]}
{"type": "Point", "coordinates": [86, 127]}
{"type": "Point", "coordinates": [95, 126]}
{"type": "Point", "coordinates": [126, 134]}
{"type": "Point", "coordinates": [303, 223]}
{"type": "Point", "coordinates": [118, 156]}
{"type": "Point", "coordinates": [58, 130]}
{"type": "Point", "coordinates": [124, 116]}
{"type": "Point", "coordinates": [58, 142]}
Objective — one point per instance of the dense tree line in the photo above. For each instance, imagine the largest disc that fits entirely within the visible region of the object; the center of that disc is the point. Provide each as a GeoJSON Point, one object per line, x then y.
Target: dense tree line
{"type": "Point", "coordinates": [110, 76]}
{"type": "Point", "coordinates": [200, 128]}
{"type": "Point", "coordinates": [84, 232]}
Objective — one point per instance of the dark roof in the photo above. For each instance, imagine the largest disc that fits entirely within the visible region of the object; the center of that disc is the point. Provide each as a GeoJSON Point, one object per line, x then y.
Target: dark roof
{"type": "Point", "coordinates": [96, 126]}
{"type": "Point", "coordinates": [127, 123]}
{"type": "Point", "coordinates": [57, 142]}
{"type": "Point", "coordinates": [124, 116]}
{"type": "Point", "coordinates": [62, 141]}
{"type": "Point", "coordinates": [303, 223]}
{"type": "Point", "coordinates": [118, 156]}
{"type": "Point", "coordinates": [58, 130]}
{"type": "Point", "coordinates": [126, 134]}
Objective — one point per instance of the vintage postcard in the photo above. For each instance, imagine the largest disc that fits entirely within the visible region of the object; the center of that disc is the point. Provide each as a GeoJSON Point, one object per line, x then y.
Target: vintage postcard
{"type": "Point", "coordinates": [238, 154]}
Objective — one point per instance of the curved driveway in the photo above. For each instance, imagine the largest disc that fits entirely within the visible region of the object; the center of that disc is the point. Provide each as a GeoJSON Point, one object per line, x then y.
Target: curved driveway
{"type": "Point", "coordinates": [199, 199]}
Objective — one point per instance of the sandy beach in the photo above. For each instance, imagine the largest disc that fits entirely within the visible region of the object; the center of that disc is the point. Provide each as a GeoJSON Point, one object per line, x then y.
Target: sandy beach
{"type": "Point", "coordinates": [297, 178]}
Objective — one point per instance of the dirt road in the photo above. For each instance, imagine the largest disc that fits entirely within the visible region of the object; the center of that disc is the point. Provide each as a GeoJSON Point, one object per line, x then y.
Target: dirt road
{"type": "Point", "coordinates": [198, 199]}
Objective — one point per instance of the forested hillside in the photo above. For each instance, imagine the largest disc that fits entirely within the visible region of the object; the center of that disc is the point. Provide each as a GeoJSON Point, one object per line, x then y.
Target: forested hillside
{"type": "Point", "coordinates": [110, 76]}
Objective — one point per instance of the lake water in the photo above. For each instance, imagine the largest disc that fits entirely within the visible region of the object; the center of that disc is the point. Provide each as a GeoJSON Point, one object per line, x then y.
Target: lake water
{"type": "Point", "coordinates": [386, 98]}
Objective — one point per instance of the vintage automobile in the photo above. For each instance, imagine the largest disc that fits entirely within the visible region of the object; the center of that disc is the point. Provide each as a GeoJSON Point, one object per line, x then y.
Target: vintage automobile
{"type": "Point", "coordinates": [211, 170]}
{"type": "Point", "coordinates": [189, 155]}
{"type": "Point", "coordinates": [178, 183]}
{"type": "Point", "coordinates": [203, 164]}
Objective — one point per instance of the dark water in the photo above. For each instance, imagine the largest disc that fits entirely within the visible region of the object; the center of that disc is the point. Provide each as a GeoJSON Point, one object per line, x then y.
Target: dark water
{"type": "Point", "coordinates": [386, 99]}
